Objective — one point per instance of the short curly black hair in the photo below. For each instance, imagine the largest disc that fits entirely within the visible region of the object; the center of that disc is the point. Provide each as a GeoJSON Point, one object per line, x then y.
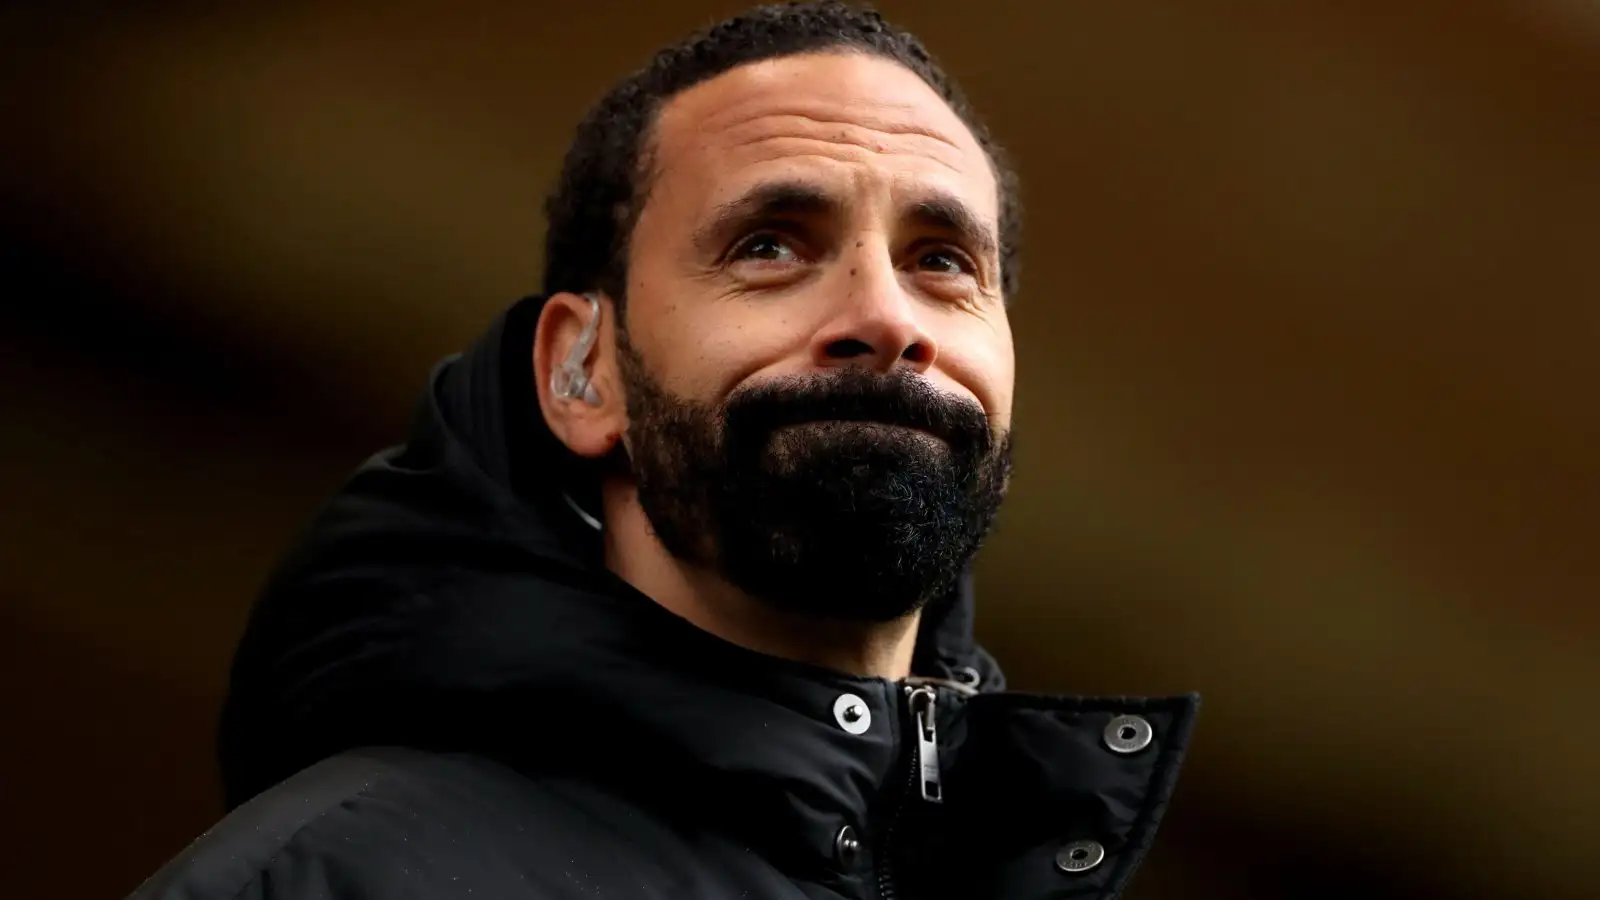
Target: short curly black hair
{"type": "Point", "coordinates": [604, 180]}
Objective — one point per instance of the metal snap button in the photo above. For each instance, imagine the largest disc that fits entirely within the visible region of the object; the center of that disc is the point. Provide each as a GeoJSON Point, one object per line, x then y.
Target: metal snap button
{"type": "Point", "coordinates": [852, 713]}
{"type": "Point", "coordinates": [1080, 856]}
{"type": "Point", "coordinates": [1128, 734]}
{"type": "Point", "coordinates": [847, 848]}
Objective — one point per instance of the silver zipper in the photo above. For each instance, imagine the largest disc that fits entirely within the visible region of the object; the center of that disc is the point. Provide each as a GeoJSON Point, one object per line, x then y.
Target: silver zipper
{"type": "Point", "coordinates": [922, 700]}
{"type": "Point", "coordinates": [929, 776]}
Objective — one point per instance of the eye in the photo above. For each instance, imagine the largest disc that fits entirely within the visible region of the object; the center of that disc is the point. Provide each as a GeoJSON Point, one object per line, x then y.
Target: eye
{"type": "Point", "coordinates": [766, 247]}
{"type": "Point", "coordinates": [946, 261]}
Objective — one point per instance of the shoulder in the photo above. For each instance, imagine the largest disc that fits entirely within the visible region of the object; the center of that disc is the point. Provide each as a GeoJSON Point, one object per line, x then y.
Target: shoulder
{"type": "Point", "coordinates": [359, 820]}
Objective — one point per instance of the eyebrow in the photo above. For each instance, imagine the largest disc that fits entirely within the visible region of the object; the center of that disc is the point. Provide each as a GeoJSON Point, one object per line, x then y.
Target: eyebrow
{"type": "Point", "coordinates": [945, 212]}
{"type": "Point", "coordinates": [936, 210]}
{"type": "Point", "coordinates": [771, 200]}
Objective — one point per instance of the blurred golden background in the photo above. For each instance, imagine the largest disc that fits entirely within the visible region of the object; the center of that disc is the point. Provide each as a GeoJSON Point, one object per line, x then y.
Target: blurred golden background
{"type": "Point", "coordinates": [1307, 408]}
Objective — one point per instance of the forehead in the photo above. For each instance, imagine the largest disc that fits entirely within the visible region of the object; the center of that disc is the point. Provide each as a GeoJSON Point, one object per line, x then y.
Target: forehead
{"type": "Point", "coordinates": [842, 115]}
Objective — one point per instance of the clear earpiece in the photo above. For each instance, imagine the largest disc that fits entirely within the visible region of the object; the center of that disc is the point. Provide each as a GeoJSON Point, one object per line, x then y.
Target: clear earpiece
{"type": "Point", "coordinates": [570, 380]}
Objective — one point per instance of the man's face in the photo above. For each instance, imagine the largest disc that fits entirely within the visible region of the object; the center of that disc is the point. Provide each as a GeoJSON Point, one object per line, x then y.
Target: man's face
{"type": "Point", "coordinates": [817, 358]}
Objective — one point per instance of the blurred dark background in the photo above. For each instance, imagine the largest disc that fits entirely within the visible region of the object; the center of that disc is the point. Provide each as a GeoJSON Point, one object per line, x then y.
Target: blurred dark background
{"type": "Point", "coordinates": [1307, 404]}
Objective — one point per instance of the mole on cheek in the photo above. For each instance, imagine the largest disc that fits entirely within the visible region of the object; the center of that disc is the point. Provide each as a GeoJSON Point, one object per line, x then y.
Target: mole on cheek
{"type": "Point", "coordinates": [852, 273]}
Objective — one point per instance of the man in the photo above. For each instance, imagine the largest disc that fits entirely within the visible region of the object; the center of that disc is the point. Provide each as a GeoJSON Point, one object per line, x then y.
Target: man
{"type": "Point", "coordinates": [666, 594]}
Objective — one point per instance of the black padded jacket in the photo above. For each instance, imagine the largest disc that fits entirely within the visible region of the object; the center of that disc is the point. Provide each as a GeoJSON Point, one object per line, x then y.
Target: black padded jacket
{"type": "Point", "coordinates": [442, 693]}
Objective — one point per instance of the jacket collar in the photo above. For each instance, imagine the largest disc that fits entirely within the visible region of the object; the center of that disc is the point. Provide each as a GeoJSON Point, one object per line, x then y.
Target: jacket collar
{"type": "Point", "coordinates": [449, 597]}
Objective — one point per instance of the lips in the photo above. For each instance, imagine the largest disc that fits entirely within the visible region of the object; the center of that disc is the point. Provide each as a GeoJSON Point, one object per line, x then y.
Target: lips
{"type": "Point", "coordinates": [930, 415]}
{"type": "Point", "coordinates": [868, 425]}
{"type": "Point", "coordinates": [872, 402]}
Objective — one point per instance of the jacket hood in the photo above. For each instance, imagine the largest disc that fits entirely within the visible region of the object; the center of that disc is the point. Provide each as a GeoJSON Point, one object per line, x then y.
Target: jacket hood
{"type": "Point", "coordinates": [450, 597]}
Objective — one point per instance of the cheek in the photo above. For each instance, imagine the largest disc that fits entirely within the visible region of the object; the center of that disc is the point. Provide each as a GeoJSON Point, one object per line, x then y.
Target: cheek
{"type": "Point", "coordinates": [978, 355]}
{"type": "Point", "coordinates": [749, 343]}
{"type": "Point", "coordinates": [706, 348]}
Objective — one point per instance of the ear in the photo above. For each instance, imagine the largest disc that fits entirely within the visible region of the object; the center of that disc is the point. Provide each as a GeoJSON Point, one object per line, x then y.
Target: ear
{"type": "Point", "coordinates": [589, 430]}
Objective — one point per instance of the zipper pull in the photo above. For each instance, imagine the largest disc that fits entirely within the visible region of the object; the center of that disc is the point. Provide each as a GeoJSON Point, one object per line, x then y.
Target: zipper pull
{"type": "Point", "coordinates": [927, 742]}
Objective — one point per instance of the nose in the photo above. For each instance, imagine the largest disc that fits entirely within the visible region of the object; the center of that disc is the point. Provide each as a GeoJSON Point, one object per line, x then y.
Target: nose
{"type": "Point", "coordinates": [876, 323]}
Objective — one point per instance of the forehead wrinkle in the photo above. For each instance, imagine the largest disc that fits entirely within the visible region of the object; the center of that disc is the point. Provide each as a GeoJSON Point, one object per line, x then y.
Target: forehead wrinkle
{"type": "Point", "coordinates": [882, 124]}
{"type": "Point", "coordinates": [787, 146]}
{"type": "Point", "coordinates": [800, 125]}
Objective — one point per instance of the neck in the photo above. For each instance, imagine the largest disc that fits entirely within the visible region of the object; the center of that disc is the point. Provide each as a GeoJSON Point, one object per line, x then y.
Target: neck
{"type": "Point", "coordinates": [708, 601]}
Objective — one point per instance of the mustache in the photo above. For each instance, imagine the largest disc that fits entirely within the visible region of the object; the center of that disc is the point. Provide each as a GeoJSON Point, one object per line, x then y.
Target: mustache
{"type": "Point", "coordinates": [900, 398]}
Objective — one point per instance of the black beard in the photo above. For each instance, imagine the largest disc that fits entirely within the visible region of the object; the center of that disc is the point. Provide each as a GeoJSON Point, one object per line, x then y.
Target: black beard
{"type": "Point", "coordinates": [851, 496]}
